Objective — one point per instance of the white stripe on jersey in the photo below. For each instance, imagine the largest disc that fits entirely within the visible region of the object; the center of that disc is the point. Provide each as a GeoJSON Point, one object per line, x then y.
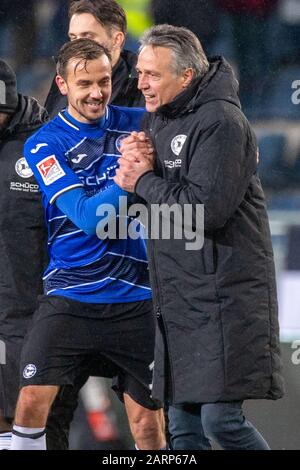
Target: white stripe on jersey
{"type": "Point", "coordinates": [67, 234]}
{"type": "Point", "coordinates": [49, 274]}
{"type": "Point", "coordinates": [67, 122]}
{"type": "Point", "coordinates": [58, 217]}
{"type": "Point", "coordinates": [97, 282]}
{"type": "Point", "coordinates": [125, 256]}
{"type": "Point", "coordinates": [55, 196]}
{"type": "Point", "coordinates": [75, 146]}
{"type": "Point", "coordinates": [119, 132]}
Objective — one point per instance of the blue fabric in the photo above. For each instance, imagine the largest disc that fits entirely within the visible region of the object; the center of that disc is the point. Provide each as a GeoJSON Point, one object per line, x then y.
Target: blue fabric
{"type": "Point", "coordinates": [74, 164]}
{"type": "Point", "coordinates": [193, 427]}
{"type": "Point", "coordinates": [82, 210]}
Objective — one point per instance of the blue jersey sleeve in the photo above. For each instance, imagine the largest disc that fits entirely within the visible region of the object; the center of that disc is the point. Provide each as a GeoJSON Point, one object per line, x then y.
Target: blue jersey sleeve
{"type": "Point", "coordinates": [50, 168]}
{"type": "Point", "coordinates": [82, 209]}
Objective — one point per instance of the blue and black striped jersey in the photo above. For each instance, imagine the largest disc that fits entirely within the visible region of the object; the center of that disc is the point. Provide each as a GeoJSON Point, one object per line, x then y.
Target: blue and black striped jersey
{"type": "Point", "coordinates": [66, 154]}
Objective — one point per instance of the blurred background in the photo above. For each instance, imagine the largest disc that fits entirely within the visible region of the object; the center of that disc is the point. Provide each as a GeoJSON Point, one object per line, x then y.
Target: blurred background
{"type": "Point", "coordinates": [261, 40]}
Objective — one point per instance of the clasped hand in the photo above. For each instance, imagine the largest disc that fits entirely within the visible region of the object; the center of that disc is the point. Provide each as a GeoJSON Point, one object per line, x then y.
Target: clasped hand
{"type": "Point", "coordinates": [137, 158]}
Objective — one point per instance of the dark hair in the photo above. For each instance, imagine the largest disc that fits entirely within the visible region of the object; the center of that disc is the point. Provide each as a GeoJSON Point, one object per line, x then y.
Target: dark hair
{"type": "Point", "coordinates": [84, 49]}
{"type": "Point", "coordinates": [107, 12]}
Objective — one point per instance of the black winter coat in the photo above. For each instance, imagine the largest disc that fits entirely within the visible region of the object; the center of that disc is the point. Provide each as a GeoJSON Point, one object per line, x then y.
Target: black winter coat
{"type": "Point", "coordinates": [124, 87]}
{"type": "Point", "coordinates": [217, 338]}
{"type": "Point", "coordinates": [22, 226]}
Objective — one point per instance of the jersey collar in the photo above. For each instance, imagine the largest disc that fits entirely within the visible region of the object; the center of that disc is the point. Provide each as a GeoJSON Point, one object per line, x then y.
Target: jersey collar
{"type": "Point", "coordinates": [84, 128]}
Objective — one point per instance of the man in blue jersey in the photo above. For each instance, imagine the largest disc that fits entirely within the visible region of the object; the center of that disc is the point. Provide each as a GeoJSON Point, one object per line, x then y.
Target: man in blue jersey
{"type": "Point", "coordinates": [96, 311]}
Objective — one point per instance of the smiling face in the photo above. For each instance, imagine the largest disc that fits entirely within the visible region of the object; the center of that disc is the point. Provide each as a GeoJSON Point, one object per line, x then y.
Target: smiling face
{"type": "Point", "coordinates": [158, 81]}
{"type": "Point", "coordinates": [88, 88]}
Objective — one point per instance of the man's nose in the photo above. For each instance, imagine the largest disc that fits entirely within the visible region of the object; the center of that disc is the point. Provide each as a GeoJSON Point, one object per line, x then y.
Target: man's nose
{"type": "Point", "coordinates": [143, 83]}
{"type": "Point", "coordinates": [96, 92]}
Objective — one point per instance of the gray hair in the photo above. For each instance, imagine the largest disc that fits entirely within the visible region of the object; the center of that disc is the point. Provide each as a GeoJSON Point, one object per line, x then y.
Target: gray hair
{"type": "Point", "coordinates": [185, 46]}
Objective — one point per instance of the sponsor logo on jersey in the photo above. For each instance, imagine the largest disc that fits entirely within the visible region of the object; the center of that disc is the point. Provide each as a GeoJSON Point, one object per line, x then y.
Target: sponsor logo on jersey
{"type": "Point", "coordinates": [37, 147]}
{"type": "Point", "coordinates": [29, 371]}
{"type": "Point", "coordinates": [119, 141]}
{"type": "Point", "coordinates": [98, 180]}
{"type": "Point", "coordinates": [50, 170]}
{"type": "Point", "coordinates": [22, 168]}
{"type": "Point", "coordinates": [78, 158]}
{"type": "Point", "coordinates": [173, 163]}
{"type": "Point", "coordinates": [177, 143]}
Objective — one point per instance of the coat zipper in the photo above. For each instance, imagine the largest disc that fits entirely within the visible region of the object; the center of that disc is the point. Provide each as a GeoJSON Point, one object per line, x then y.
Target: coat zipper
{"type": "Point", "coordinates": [169, 382]}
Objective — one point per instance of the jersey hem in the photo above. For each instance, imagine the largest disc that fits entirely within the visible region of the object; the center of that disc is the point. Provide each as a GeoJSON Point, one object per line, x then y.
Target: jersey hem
{"type": "Point", "coordinates": [103, 300]}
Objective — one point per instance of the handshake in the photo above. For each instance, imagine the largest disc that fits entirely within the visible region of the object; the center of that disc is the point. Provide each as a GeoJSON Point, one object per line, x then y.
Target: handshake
{"type": "Point", "coordinates": [137, 158]}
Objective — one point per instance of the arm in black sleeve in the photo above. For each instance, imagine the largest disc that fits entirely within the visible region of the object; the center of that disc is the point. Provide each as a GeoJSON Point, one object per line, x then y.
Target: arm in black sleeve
{"type": "Point", "coordinates": [222, 163]}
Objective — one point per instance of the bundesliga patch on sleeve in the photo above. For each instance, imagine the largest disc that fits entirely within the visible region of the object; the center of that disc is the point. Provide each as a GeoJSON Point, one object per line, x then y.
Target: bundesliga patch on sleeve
{"type": "Point", "coordinates": [50, 169]}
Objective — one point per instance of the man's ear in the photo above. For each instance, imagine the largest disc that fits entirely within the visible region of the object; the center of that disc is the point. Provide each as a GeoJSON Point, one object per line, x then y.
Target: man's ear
{"type": "Point", "coordinates": [62, 85]}
{"type": "Point", "coordinates": [187, 77]}
{"type": "Point", "coordinates": [118, 40]}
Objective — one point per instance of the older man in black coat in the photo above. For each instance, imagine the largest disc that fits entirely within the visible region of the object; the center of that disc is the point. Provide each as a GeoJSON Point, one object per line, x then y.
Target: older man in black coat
{"type": "Point", "coordinates": [217, 337]}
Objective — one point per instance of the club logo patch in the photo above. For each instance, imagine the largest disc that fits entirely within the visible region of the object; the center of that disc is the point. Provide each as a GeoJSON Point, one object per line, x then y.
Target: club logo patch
{"type": "Point", "coordinates": [22, 168]}
{"type": "Point", "coordinates": [50, 170]}
{"type": "Point", "coordinates": [177, 143]}
{"type": "Point", "coordinates": [29, 371]}
{"type": "Point", "coordinates": [119, 141]}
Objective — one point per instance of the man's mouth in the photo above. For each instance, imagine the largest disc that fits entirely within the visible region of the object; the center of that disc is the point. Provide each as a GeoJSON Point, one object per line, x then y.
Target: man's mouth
{"type": "Point", "coordinates": [148, 97]}
{"type": "Point", "coordinates": [94, 104]}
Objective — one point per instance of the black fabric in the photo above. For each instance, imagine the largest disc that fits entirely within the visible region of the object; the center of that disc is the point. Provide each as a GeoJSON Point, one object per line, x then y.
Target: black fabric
{"type": "Point", "coordinates": [66, 343]}
{"type": "Point", "coordinates": [36, 435]}
{"type": "Point", "coordinates": [8, 89]}
{"type": "Point", "coordinates": [125, 81]}
{"type": "Point", "coordinates": [61, 414]}
{"type": "Point", "coordinates": [22, 244]}
{"type": "Point", "coordinates": [124, 87]}
{"type": "Point", "coordinates": [9, 375]}
{"type": "Point", "coordinates": [23, 255]}
{"type": "Point", "coordinates": [22, 227]}
{"type": "Point", "coordinates": [218, 337]}
{"type": "Point", "coordinates": [63, 408]}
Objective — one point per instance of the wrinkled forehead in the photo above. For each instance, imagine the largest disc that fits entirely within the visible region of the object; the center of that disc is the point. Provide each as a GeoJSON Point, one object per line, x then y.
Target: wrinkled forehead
{"type": "Point", "coordinates": [156, 58]}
